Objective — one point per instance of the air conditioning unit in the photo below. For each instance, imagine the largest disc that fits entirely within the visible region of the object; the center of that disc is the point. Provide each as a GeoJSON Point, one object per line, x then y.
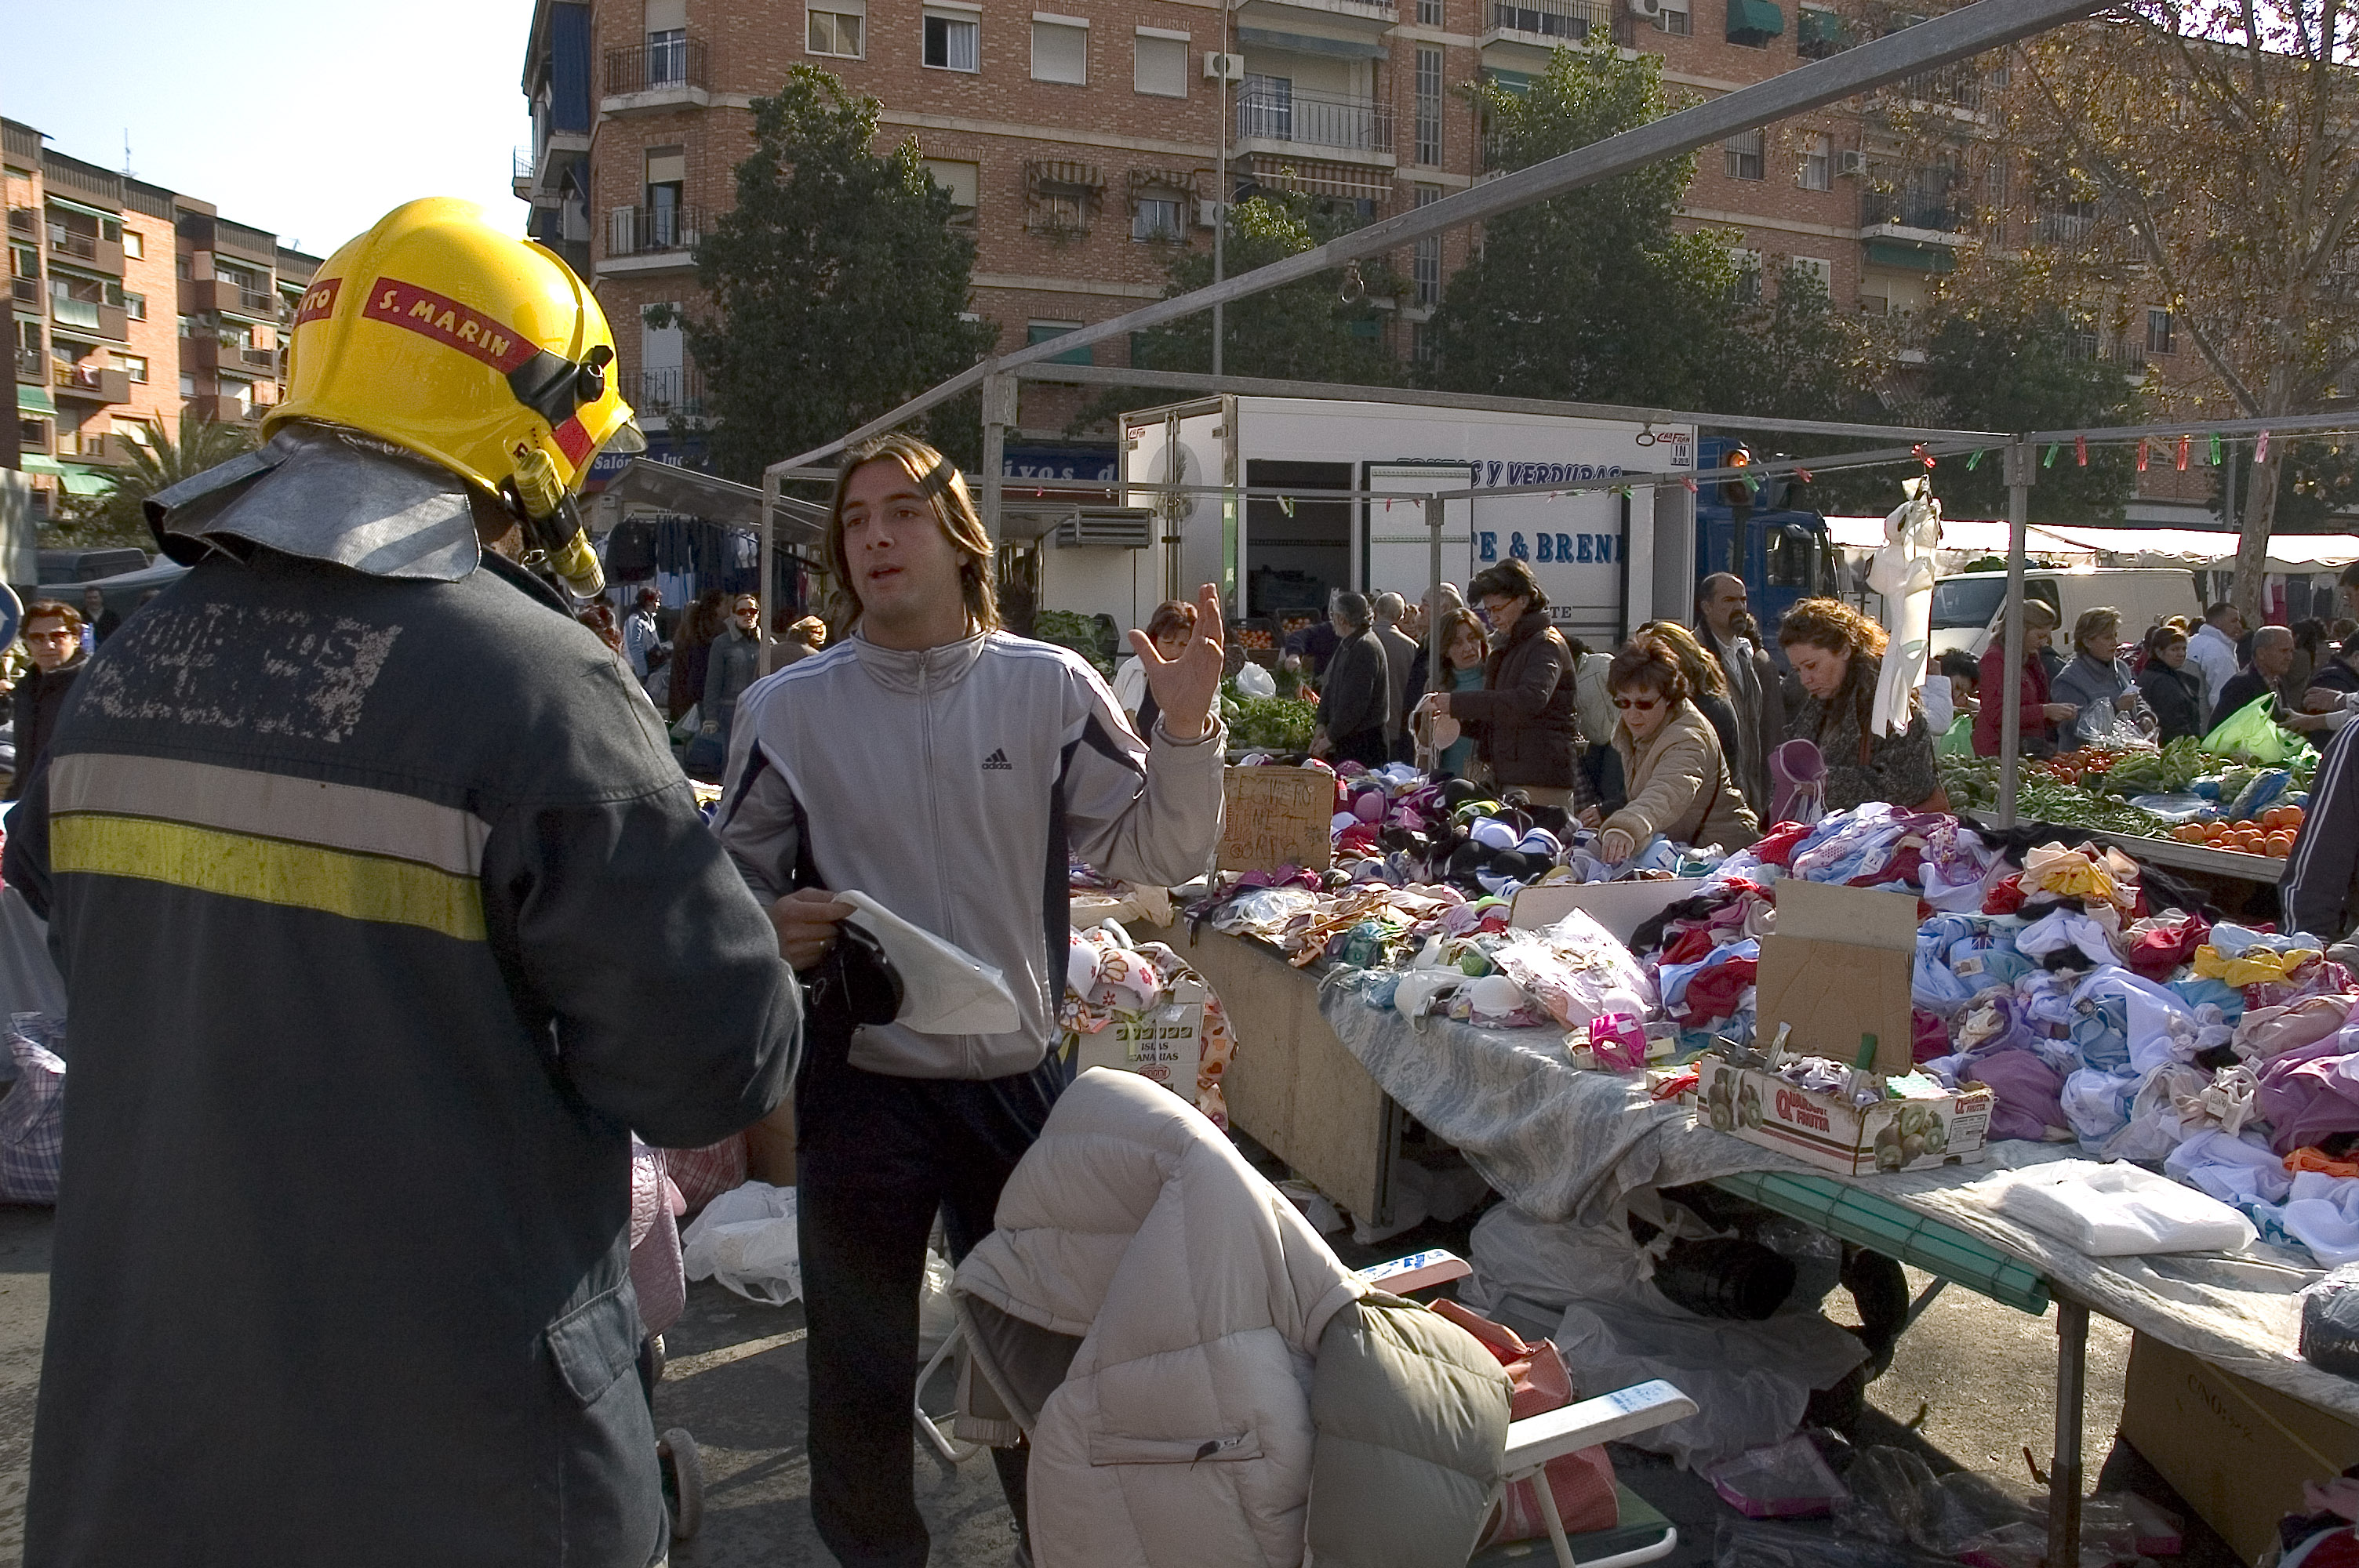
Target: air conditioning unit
{"type": "Point", "coordinates": [1225, 67]}
{"type": "Point", "coordinates": [1850, 166]}
{"type": "Point", "coordinates": [1646, 10]}
{"type": "Point", "coordinates": [1208, 214]}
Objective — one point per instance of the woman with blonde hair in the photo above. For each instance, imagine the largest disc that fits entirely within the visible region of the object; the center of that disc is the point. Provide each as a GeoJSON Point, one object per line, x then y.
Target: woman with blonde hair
{"type": "Point", "coordinates": [1679, 782]}
{"type": "Point", "coordinates": [1838, 656]}
{"type": "Point", "coordinates": [1707, 683]}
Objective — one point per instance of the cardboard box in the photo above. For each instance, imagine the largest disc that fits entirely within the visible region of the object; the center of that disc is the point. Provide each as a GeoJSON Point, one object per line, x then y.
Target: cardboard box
{"type": "Point", "coordinates": [2237, 1452]}
{"type": "Point", "coordinates": [1620, 907]}
{"type": "Point", "coordinates": [1838, 967]}
{"type": "Point", "coordinates": [1164, 1043]}
{"type": "Point", "coordinates": [1828, 1132]}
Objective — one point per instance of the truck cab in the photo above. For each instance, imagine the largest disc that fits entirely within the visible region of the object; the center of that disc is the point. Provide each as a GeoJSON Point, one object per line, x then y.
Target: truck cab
{"type": "Point", "coordinates": [1782, 551]}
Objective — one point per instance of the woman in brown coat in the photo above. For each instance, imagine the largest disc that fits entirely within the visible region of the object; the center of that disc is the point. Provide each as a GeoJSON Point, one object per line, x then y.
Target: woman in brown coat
{"type": "Point", "coordinates": [1680, 786]}
{"type": "Point", "coordinates": [1523, 720]}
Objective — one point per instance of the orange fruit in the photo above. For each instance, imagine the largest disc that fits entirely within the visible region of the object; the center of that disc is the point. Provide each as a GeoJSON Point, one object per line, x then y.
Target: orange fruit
{"type": "Point", "coordinates": [2279, 845]}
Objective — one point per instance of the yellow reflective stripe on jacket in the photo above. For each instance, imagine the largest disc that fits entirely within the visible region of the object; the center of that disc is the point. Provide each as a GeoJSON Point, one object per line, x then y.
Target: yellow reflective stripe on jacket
{"type": "Point", "coordinates": [268, 871]}
{"type": "Point", "coordinates": [364, 854]}
{"type": "Point", "coordinates": [270, 805]}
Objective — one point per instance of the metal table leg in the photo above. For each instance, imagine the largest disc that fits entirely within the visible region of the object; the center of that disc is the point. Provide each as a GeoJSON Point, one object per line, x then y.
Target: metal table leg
{"type": "Point", "coordinates": [2064, 1473]}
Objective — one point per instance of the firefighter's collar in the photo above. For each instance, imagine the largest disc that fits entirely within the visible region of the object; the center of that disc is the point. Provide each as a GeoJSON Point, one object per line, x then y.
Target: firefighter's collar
{"type": "Point", "coordinates": [326, 495]}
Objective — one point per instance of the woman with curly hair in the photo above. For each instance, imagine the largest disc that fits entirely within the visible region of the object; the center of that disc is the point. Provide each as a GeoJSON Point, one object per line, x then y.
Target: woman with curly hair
{"type": "Point", "coordinates": [1838, 656]}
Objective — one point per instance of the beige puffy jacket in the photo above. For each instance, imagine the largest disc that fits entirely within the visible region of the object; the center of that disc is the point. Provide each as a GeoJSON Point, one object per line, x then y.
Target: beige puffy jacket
{"type": "Point", "coordinates": [1154, 1312]}
{"type": "Point", "coordinates": [1667, 778]}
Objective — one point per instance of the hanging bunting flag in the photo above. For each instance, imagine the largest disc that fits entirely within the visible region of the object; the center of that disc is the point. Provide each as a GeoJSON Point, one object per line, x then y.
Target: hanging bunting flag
{"type": "Point", "coordinates": [1752, 484]}
{"type": "Point", "coordinates": [1286, 504]}
{"type": "Point", "coordinates": [2216, 448]}
{"type": "Point", "coordinates": [1974, 459]}
{"type": "Point", "coordinates": [2081, 450]}
{"type": "Point", "coordinates": [1690, 483]}
{"type": "Point", "coordinates": [2261, 448]}
{"type": "Point", "coordinates": [2179, 459]}
{"type": "Point", "coordinates": [2141, 457]}
{"type": "Point", "coordinates": [1921, 454]}
{"type": "Point", "coordinates": [1804, 475]}
{"type": "Point", "coordinates": [1388, 504]}
{"type": "Point", "coordinates": [2049, 460]}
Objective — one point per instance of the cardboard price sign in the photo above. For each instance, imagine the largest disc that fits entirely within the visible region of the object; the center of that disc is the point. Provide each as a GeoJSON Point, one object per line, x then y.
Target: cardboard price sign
{"type": "Point", "coordinates": [1837, 966]}
{"type": "Point", "coordinates": [1276, 818]}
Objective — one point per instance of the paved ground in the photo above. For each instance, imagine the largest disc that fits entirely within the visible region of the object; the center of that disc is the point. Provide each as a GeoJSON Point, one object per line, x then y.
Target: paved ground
{"type": "Point", "coordinates": [1975, 1379]}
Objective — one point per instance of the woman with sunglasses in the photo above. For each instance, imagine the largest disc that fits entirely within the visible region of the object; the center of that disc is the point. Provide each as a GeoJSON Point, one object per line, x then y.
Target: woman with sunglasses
{"type": "Point", "coordinates": [1680, 781]}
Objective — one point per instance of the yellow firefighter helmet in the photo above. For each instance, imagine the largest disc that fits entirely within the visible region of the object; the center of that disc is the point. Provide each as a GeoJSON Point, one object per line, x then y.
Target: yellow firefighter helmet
{"type": "Point", "coordinates": [476, 349]}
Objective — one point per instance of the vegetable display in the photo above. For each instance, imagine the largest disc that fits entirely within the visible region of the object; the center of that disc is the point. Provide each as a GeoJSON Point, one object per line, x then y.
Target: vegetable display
{"type": "Point", "coordinates": [2180, 792]}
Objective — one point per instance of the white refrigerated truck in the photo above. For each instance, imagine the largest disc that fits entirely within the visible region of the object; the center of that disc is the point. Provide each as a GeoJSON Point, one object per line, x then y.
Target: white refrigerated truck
{"type": "Point", "coordinates": [1607, 560]}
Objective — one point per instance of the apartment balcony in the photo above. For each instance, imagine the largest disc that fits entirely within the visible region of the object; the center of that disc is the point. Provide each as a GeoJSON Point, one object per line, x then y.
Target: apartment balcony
{"type": "Point", "coordinates": [221, 410]}
{"type": "Point", "coordinates": [1922, 218]}
{"type": "Point", "coordinates": [675, 392]}
{"type": "Point", "coordinates": [242, 358]}
{"type": "Point", "coordinates": [86, 250]}
{"type": "Point", "coordinates": [25, 291]}
{"type": "Point", "coordinates": [211, 295]}
{"type": "Point", "coordinates": [1523, 31]}
{"type": "Point", "coordinates": [2124, 355]}
{"type": "Point", "coordinates": [91, 382]}
{"type": "Point", "coordinates": [1372, 17]}
{"type": "Point", "coordinates": [520, 172]}
{"type": "Point", "coordinates": [652, 239]}
{"type": "Point", "coordinates": [1958, 87]}
{"type": "Point", "coordinates": [109, 321]}
{"type": "Point", "coordinates": [24, 220]}
{"type": "Point", "coordinates": [2063, 228]}
{"type": "Point", "coordinates": [656, 76]}
{"type": "Point", "coordinates": [108, 450]}
{"type": "Point", "coordinates": [32, 365]}
{"type": "Point", "coordinates": [1356, 129]}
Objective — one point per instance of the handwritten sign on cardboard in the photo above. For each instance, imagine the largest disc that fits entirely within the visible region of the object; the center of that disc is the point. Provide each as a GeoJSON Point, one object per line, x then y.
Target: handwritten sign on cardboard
{"type": "Point", "coordinates": [1276, 818]}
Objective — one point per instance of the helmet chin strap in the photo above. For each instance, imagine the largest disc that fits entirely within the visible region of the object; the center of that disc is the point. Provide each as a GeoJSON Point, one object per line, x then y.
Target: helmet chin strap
{"type": "Point", "coordinates": [552, 524]}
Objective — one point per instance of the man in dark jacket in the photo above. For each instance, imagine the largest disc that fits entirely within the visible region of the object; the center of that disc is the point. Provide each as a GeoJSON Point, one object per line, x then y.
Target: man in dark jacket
{"type": "Point", "coordinates": [2319, 894]}
{"type": "Point", "coordinates": [1524, 721]}
{"type": "Point", "coordinates": [54, 635]}
{"type": "Point", "coordinates": [1726, 627]}
{"type": "Point", "coordinates": [386, 918]}
{"type": "Point", "coordinates": [1356, 698]}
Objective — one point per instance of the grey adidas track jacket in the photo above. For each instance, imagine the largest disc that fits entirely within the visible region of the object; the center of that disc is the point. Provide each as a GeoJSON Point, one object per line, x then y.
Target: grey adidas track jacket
{"type": "Point", "coordinates": [950, 785]}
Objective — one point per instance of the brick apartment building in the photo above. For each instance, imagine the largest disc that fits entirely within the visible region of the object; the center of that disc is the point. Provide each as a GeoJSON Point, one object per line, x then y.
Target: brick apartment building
{"type": "Point", "coordinates": [129, 306]}
{"type": "Point", "coordinates": [1082, 145]}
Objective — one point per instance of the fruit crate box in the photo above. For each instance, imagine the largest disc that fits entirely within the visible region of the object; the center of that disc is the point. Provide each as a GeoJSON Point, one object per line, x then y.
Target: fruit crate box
{"type": "Point", "coordinates": [1828, 1132]}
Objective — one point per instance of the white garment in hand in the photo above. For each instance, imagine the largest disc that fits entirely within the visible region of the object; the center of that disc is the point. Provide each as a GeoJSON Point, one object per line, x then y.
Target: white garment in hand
{"type": "Point", "coordinates": [1903, 572]}
{"type": "Point", "coordinates": [945, 989]}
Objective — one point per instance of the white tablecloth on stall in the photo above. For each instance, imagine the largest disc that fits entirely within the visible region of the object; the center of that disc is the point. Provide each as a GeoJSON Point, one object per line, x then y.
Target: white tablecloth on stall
{"type": "Point", "coordinates": [1566, 1144]}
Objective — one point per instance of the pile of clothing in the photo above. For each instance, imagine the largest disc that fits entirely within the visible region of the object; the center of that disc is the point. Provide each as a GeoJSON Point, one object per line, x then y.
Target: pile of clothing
{"type": "Point", "coordinates": [1110, 980]}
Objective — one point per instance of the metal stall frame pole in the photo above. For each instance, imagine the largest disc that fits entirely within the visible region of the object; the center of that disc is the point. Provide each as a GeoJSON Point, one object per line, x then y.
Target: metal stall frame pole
{"type": "Point", "coordinates": [998, 414]}
{"type": "Point", "coordinates": [1221, 182]}
{"type": "Point", "coordinates": [765, 646]}
{"type": "Point", "coordinates": [2064, 1480]}
{"type": "Point", "coordinates": [2019, 475]}
{"type": "Point", "coordinates": [1436, 663]}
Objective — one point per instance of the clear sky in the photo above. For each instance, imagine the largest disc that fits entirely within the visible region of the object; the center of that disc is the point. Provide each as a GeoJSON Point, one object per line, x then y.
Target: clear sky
{"type": "Point", "coordinates": [311, 120]}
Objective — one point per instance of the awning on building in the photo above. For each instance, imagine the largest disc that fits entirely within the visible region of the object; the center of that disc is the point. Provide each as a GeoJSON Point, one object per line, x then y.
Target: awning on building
{"type": "Point", "coordinates": [81, 481]}
{"type": "Point", "coordinates": [1303, 43]}
{"type": "Point", "coordinates": [1755, 18]}
{"type": "Point", "coordinates": [34, 400]}
{"type": "Point", "coordinates": [1914, 258]}
{"type": "Point", "coordinates": [40, 462]}
{"type": "Point", "coordinates": [1518, 82]}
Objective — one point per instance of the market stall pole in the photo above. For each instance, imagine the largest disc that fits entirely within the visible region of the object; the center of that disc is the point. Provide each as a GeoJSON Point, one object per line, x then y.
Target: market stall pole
{"type": "Point", "coordinates": [2018, 475]}
{"type": "Point", "coordinates": [2064, 1469]}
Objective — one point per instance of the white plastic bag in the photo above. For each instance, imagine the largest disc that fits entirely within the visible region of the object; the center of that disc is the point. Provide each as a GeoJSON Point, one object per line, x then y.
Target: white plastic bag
{"type": "Point", "coordinates": [2114, 1211]}
{"type": "Point", "coordinates": [746, 1239]}
{"type": "Point", "coordinates": [946, 989]}
{"type": "Point", "coordinates": [937, 1318]}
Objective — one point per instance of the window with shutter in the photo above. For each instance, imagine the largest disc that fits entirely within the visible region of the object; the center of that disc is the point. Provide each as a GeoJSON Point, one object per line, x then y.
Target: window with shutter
{"type": "Point", "coordinates": [1060, 51]}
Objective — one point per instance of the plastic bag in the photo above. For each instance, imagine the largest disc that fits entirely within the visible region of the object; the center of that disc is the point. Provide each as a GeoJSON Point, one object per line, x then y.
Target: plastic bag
{"type": "Point", "coordinates": [1252, 680]}
{"type": "Point", "coordinates": [937, 1318]}
{"type": "Point", "coordinates": [32, 1115]}
{"type": "Point", "coordinates": [2330, 1323]}
{"type": "Point", "coordinates": [2251, 733]}
{"type": "Point", "coordinates": [1779, 1480]}
{"type": "Point", "coordinates": [746, 1240]}
{"type": "Point", "coordinates": [2111, 1211]}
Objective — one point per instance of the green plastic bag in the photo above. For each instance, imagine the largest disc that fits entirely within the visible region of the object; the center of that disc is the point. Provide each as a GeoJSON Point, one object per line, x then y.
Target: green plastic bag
{"type": "Point", "coordinates": [2251, 733]}
{"type": "Point", "coordinates": [1958, 739]}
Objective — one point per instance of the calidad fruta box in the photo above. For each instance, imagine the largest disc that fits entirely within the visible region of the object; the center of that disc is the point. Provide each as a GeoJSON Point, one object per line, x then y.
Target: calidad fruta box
{"type": "Point", "coordinates": [1919, 1126]}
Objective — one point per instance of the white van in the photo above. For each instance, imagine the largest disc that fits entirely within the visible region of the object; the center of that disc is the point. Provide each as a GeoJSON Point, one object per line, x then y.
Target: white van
{"type": "Point", "coordinates": [1968, 606]}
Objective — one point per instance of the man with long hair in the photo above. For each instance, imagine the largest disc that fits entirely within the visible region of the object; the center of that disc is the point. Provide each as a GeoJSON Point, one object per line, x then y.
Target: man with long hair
{"type": "Point", "coordinates": [946, 770]}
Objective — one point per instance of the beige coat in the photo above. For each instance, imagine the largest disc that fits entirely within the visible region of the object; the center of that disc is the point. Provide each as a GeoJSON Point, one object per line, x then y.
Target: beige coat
{"type": "Point", "coordinates": [1667, 781]}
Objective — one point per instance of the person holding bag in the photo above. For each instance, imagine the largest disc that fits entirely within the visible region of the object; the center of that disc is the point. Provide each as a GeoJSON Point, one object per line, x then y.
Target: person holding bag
{"type": "Point", "coordinates": [944, 769]}
{"type": "Point", "coordinates": [1838, 654]}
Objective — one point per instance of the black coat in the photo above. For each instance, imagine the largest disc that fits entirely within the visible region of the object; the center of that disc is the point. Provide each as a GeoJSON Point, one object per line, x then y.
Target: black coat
{"type": "Point", "coordinates": [2176, 698]}
{"type": "Point", "coordinates": [1530, 731]}
{"type": "Point", "coordinates": [1356, 693]}
{"type": "Point", "coordinates": [39, 699]}
{"type": "Point", "coordinates": [385, 916]}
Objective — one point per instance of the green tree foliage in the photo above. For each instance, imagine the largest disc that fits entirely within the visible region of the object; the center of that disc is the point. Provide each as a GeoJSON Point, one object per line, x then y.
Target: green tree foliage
{"type": "Point", "coordinates": [116, 518]}
{"type": "Point", "coordinates": [836, 284]}
{"type": "Point", "coordinates": [1593, 296]}
{"type": "Point", "coordinates": [1325, 328]}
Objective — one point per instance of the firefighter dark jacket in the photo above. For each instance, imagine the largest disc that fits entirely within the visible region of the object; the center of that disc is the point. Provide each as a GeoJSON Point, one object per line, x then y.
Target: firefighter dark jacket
{"type": "Point", "coordinates": [385, 917]}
